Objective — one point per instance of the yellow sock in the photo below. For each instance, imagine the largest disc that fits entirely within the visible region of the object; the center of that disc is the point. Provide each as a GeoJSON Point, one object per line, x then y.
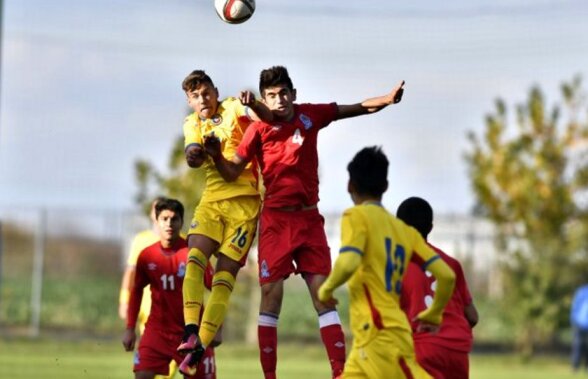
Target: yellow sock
{"type": "Point", "coordinates": [193, 288]}
{"type": "Point", "coordinates": [216, 307]}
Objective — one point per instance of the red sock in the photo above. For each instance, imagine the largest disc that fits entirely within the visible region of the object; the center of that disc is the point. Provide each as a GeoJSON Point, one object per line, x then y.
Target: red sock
{"type": "Point", "coordinates": [267, 333]}
{"type": "Point", "coordinates": [334, 341]}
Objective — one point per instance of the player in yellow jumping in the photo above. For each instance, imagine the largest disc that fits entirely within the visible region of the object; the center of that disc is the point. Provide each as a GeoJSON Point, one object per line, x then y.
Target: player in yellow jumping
{"type": "Point", "coordinates": [376, 248]}
{"type": "Point", "coordinates": [225, 221]}
{"type": "Point", "coordinates": [141, 240]}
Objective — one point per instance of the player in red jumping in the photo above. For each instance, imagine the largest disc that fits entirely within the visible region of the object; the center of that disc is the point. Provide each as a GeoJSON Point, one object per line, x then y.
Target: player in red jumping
{"type": "Point", "coordinates": [292, 237]}
{"type": "Point", "coordinates": [162, 265]}
{"type": "Point", "coordinates": [444, 354]}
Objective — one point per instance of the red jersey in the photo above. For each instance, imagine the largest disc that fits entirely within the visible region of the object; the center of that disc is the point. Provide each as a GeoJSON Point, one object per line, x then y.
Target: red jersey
{"type": "Point", "coordinates": [287, 154]}
{"type": "Point", "coordinates": [418, 288]}
{"type": "Point", "coordinates": [164, 270]}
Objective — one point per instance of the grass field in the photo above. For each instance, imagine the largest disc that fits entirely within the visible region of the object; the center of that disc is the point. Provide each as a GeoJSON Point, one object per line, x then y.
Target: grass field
{"type": "Point", "coordinates": [103, 359]}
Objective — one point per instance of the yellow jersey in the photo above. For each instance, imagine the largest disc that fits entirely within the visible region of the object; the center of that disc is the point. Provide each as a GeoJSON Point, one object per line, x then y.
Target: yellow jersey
{"type": "Point", "coordinates": [386, 246]}
{"type": "Point", "coordinates": [228, 124]}
{"type": "Point", "coordinates": [141, 240]}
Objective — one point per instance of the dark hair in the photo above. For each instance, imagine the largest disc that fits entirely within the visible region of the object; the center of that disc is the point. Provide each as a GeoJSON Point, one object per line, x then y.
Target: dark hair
{"type": "Point", "coordinates": [274, 76]}
{"type": "Point", "coordinates": [157, 199]}
{"type": "Point", "coordinates": [417, 213]}
{"type": "Point", "coordinates": [195, 79]}
{"type": "Point", "coordinates": [169, 205]}
{"type": "Point", "coordinates": [368, 171]}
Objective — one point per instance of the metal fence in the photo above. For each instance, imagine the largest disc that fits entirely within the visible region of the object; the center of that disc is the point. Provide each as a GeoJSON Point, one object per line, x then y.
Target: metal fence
{"type": "Point", "coordinates": [60, 269]}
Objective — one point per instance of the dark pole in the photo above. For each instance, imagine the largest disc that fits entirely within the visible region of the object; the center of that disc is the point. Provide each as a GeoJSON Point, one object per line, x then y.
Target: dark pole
{"type": "Point", "coordinates": [1, 39]}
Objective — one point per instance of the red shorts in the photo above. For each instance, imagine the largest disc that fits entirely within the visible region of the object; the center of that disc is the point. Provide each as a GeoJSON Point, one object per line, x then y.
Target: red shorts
{"type": "Point", "coordinates": [441, 362]}
{"type": "Point", "coordinates": [292, 242]}
{"type": "Point", "coordinates": [157, 349]}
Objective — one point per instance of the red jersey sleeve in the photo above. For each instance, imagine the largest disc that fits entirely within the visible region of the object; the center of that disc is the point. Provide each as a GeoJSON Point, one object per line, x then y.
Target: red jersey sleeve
{"type": "Point", "coordinates": [461, 286]}
{"type": "Point", "coordinates": [139, 284]}
{"type": "Point", "coordinates": [325, 113]}
{"type": "Point", "coordinates": [251, 143]}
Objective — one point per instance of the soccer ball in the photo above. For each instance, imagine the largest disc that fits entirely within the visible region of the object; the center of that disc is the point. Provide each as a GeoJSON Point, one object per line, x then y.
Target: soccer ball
{"type": "Point", "coordinates": [234, 11]}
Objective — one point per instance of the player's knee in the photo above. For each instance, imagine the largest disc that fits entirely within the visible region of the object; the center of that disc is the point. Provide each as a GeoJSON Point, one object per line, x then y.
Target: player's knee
{"type": "Point", "coordinates": [271, 300]}
{"type": "Point", "coordinates": [225, 263]}
{"type": "Point", "coordinates": [197, 260]}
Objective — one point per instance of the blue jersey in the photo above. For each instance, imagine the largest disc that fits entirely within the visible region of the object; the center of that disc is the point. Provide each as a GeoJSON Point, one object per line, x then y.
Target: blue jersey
{"type": "Point", "coordinates": [579, 313]}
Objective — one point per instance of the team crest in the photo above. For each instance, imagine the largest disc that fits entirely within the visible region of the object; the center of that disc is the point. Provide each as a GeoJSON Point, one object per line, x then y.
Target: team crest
{"type": "Point", "coordinates": [137, 359]}
{"type": "Point", "coordinates": [264, 272]}
{"type": "Point", "coordinates": [217, 119]}
{"type": "Point", "coordinates": [152, 266]}
{"type": "Point", "coordinates": [194, 225]}
{"type": "Point", "coordinates": [306, 121]}
{"type": "Point", "coordinates": [182, 270]}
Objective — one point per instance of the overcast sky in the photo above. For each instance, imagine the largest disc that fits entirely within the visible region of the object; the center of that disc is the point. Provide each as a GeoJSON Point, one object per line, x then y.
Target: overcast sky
{"type": "Point", "coordinates": [88, 87]}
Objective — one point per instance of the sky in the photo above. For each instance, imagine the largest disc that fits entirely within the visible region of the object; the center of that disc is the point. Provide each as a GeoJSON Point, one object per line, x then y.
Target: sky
{"type": "Point", "coordinates": [88, 87]}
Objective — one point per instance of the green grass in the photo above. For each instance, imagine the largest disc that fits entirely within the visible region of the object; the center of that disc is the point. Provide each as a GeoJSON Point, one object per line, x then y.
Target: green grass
{"type": "Point", "coordinates": [102, 359]}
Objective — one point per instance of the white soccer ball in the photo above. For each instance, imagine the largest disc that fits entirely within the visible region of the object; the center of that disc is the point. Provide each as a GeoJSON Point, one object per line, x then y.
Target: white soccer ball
{"type": "Point", "coordinates": [234, 11]}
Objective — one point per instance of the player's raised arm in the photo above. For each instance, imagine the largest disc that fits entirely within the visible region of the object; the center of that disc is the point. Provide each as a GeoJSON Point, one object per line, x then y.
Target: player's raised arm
{"type": "Point", "coordinates": [371, 105]}
{"type": "Point", "coordinates": [229, 170]}
{"type": "Point", "coordinates": [258, 111]}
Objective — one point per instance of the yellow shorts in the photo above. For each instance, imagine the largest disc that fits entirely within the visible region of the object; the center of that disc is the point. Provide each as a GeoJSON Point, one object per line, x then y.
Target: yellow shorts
{"type": "Point", "coordinates": [383, 358]}
{"type": "Point", "coordinates": [232, 223]}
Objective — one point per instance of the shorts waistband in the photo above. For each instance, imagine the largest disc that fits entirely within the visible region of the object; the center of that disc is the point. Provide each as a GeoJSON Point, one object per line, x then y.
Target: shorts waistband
{"type": "Point", "coordinates": [295, 208]}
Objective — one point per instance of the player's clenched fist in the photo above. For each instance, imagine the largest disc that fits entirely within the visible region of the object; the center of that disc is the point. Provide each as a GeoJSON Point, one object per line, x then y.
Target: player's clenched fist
{"type": "Point", "coordinates": [129, 339]}
{"type": "Point", "coordinates": [247, 98]}
{"type": "Point", "coordinates": [212, 146]}
{"type": "Point", "coordinates": [195, 156]}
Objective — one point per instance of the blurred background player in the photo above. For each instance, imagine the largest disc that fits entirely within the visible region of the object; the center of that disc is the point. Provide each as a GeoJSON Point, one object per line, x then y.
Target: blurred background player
{"type": "Point", "coordinates": [141, 240]}
{"type": "Point", "coordinates": [579, 321]}
{"type": "Point", "coordinates": [225, 221]}
{"type": "Point", "coordinates": [376, 248]}
{"type": "Point", "coordinates": [444, 354]}
{"type": "Point", "coordinates": [162, 266]}
{"type": "Point", "coordinates": [291, 227]}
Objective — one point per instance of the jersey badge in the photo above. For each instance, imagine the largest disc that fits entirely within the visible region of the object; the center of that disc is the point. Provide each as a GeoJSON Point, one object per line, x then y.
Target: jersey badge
{"type": "Point", "coordinates": [152, 266]}
{"type": "Point", "coordinates": [264, 270]}
{"type": "Point", "coordinates": [194, 225]}
{"type": "Point", "coordinates": [182, 270]}
{"type": "Point", "coordinates": [217, 119]}
{"type": "Point", "coordinates": [276, 127]}
{"type": "Point", "coordinates": [306, 121]}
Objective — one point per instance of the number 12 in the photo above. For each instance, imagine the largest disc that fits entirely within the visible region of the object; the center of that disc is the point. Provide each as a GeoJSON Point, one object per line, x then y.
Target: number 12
{"type": "Point", "coordinates": [394, 264]}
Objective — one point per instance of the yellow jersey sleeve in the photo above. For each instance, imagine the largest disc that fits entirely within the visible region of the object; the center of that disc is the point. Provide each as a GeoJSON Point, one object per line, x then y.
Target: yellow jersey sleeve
{"type": "Point", "coordinates": [192, 134]}
{"type": "Point", "coordinates": [353, 232]}
{"type": "Point", "coordinates": [424, 254]}
{"type": "Point", "coordinates": [445, 284]}
{"type": "Point", "coordinates": [140, 242]}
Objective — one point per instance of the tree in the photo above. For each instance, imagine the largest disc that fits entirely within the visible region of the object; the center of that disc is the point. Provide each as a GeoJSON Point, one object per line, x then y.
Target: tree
{"type": "Point", "coordinates": [530, 178]}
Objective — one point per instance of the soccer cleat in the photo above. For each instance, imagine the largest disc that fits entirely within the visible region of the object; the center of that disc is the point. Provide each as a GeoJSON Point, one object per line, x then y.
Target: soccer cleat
{"type": "Point", "coordinates": [190, 339]}
{"type": "Point", "coordinates": [189, 345]}
{"type": "Point", "coordinates": [189, 365]}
